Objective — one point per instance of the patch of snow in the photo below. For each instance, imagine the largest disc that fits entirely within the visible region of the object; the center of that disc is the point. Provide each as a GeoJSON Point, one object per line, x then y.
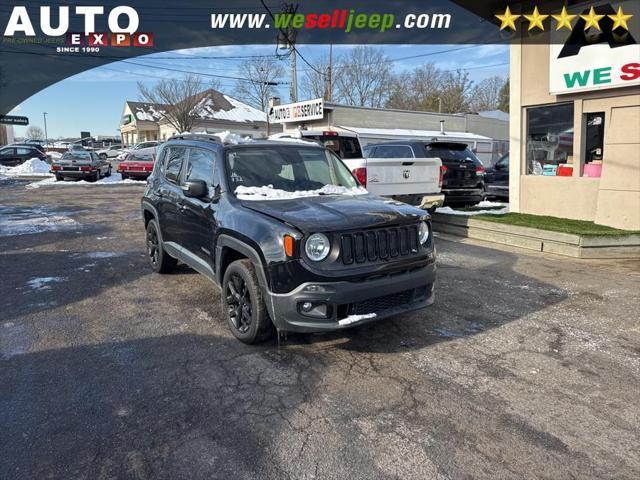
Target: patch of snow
{"type": "Point", "coordinates": [114, 179]}
{"type": "Point", "coordinates": [54, 155]}
{"type": "Point", "coordinates": [356, 318]}
{"type": "Point", "coordinates": [451, 211]}
{"type": "Point", "coordinates": [32, 168]}
{"type": "Point", "coordinates": [33, 222]}
{"type": "Point", "coordinates": [42, 283]}
{"type": "Point", "coordinates": [487, 204]}
{"type": "Point", "coordinates": [102, 254]}
{"type": "Point", "coordinates": [270, 193]}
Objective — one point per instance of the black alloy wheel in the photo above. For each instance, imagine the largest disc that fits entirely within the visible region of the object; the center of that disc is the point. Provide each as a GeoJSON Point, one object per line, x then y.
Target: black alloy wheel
{"type": "Point", "coordinates": [239, 303]}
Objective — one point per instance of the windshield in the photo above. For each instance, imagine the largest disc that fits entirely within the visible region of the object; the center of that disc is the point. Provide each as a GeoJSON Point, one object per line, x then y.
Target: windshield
{"type": "Point", "coordinates": [344, 147]}
{"type": "Point", "coordinates": [451, 152]}
{"type": "Point", "coordinates": [290, 168]}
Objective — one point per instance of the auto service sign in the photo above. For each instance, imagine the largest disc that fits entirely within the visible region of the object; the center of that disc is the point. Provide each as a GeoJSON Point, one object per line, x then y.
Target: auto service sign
{"type": "Point", "coordinates": [297, 112]}
{"type": "Point", "coordinates": [594, 59]}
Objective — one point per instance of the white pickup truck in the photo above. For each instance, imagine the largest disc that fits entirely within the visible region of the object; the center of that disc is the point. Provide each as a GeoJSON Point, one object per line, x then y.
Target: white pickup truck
{"type": "Point", "coordinates": [390, 170]}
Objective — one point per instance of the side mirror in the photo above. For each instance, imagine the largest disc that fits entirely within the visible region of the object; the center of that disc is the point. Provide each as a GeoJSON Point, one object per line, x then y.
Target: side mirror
{"type": "Point", "coordinates": [195, 188]}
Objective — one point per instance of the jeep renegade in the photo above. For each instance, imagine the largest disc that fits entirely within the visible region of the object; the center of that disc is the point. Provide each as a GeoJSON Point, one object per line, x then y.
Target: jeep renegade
{"type": "Point", "coordinates": [287, 233]}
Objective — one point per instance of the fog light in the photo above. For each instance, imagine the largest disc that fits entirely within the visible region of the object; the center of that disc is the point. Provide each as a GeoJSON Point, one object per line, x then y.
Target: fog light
{"type": "Point", "coordinates": [307, 306]}
{"type": "Point", "coordinates": [313, 309]}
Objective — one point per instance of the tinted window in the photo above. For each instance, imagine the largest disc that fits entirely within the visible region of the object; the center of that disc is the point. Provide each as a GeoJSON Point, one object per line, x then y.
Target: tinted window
{"type": "Point", "coordinates": [174, 162]}
{"type": "Point", "coordinates": [76, 155]}
{"type": "Point", "coordinates": [25, 151]}
{"type": "Point", "coordinates": [451, 152]}
{"type": "Point", "coordinates": [200, 166]}
{"type": "Point", "coordinates": [5, 152]}
{"type": "Point", "coordinates": [344, 147]}
{"type": "Point", "coordinates": [503, 162]}
{"type": "Point", "coordinates": [393, 151]}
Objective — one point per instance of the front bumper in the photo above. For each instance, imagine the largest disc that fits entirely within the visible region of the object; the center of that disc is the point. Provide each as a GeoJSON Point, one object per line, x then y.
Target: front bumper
{"type": "Point", "coordinates": [387, 296]}
{"type": "Point", "coordinates": [432, 201]}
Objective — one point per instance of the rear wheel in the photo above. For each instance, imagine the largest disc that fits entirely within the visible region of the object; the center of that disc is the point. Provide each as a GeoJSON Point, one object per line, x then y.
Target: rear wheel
{"type": "Point", "coordinates": [160, 261]}
{"type": "Point", "coordinates": [243, 303]}
{"type": "Point", "coordinates": [108, 174]}
{"type": "Point", "coordinates": [124, 176]}
{"type": "Point", "coordinates": [59, 178]}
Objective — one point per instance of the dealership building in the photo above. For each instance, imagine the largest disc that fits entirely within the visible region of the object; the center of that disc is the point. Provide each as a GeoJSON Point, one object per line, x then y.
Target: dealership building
{"type": "Point", "coordinates": [575, 127]}
{"type": "Point", "coordinates": [486, 132]}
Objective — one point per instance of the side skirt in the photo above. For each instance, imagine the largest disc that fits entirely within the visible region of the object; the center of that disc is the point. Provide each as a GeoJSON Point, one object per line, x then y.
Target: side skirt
{"type": "Point", "coordinates": [185, 256]}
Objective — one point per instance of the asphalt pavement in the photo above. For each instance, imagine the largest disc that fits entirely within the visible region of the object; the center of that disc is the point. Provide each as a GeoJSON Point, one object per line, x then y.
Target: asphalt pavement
{"type": "Point", "coordinates": [527, 366]}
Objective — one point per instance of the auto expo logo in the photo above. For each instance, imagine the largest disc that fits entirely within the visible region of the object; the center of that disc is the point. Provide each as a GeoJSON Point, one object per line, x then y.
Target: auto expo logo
{"type": "Point", "coordinates": [123, 22]}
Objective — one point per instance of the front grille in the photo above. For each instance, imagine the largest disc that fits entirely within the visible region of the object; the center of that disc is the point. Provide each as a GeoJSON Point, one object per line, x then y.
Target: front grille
{"type": "Point", "coordinates": [380, 244]}
{"type": "Point", "coordinates": [381, 304]}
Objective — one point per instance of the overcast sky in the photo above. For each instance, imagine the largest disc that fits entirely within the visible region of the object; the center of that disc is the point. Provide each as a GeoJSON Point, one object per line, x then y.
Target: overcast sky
{"type": "Point", "coordinates": [93, 100]}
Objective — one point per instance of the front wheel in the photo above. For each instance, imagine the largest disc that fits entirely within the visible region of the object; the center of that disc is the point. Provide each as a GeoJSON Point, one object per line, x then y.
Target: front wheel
{"type": "Point", "coordinates": [243, 303]}
{"type": "Point", "coordinates": [59, 178]}
{"type": "Point", "coordinates": [160, 261]}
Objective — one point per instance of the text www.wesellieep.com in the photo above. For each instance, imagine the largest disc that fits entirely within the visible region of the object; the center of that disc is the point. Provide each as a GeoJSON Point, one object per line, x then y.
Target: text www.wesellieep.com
{"type": "Point", "coordinates": [339, 19]}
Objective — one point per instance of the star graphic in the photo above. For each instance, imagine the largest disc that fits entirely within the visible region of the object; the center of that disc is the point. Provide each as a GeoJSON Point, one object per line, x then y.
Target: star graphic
{"type": "Point", "coordinates": [592, 20]}
{"type": "Point", "coordinates": [536, 19]}
{"type": "Point", "coordinates": [620, 19]}
{"type": "Point", "coordinates": [564, 19]}
{"type": "Point", "coordinates": [508, 20]}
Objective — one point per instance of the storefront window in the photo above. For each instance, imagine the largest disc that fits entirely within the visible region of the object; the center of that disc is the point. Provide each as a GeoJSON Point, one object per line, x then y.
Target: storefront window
{"type": "Point", "coordinates": [550, 140]}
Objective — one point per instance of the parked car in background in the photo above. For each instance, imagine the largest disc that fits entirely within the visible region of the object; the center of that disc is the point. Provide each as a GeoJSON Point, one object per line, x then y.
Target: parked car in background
{"type": "Point", "coordinates": [148, 144]}
{"type": "Point", "coordinates": [403, 170]}
{"type": "Point", "coordinates": [463, 173]}
{"type": "Point", "coordinates": [286, 231]}
{"type": "Point", "coordinates": [81, 165]}
{"type": "Point", "coordinates": [138, 164]}
{"type": "Point", "coordinates": [13, 155]}
{"type": "Point", "coordinates": [496, 179]}
{"type": "Point", "coordinates": [111, 152]}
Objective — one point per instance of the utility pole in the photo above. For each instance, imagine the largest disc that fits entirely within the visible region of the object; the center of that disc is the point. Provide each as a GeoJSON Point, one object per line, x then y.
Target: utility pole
{"type": "Point", "coordinates": [46, 135]}
{"type": "Point", "coordinates": [287, 41]}
{"type": "Point", "coordinates": [294, 74]}
{"type": "Point", "coordinates": [330, 74]}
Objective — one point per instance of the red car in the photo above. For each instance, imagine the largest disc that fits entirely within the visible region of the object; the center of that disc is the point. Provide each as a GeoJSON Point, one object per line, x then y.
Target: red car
{"type": "Point", "coordinates": [138, 164]}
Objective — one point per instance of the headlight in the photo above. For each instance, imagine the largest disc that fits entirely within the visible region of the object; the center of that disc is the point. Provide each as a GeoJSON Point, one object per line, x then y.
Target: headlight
{"type": "Point", "coordinates": [317, 247]}
{"type": "Point", "coordinates": [423, 233]}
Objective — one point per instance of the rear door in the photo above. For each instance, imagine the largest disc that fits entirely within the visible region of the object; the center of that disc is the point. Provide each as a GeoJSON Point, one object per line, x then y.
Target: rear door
{"type": "Point", "coordinates": [463, 169]}
{"type": "Point", "coordinates": [170, 193]}
{"type": "Point", "coordinates": [394, 170]}
{"type": "Point", "coordinates": [8, 157]}
{"type": "Point", "coordinates": [198, 215]}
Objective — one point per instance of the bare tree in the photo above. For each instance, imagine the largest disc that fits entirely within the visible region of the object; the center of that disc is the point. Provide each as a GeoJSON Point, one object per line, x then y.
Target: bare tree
{"type": "Point", "coordinates": [34, 133]}
{"type": "Point", "coordinates": [486, 94]}
{"type": "Point", "coordinates": [263, 75]}
{"type": "Point", "coordinates": [455, 90]}
{"type": "Point", "coordinates": [417, 90]}
{"type": "Point", "coordinates": [314, 82]}
{"type": "Point", "coordinates": [364, 77]}
{"type": "Point", "coordinates": [503, 97]}
{"type": "Point", "coordinates": [177, 97]}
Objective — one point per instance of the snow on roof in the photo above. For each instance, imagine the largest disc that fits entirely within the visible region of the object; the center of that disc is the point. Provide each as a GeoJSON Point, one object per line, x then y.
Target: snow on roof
{"type": "Point", "coordinates": [496, 114]}
{"type": "Point", "coordinates": [217, 106]}
{"type": "Point", "coordinates": [146, 111]}
{"type": "Point", "coordinates": [393, 133]}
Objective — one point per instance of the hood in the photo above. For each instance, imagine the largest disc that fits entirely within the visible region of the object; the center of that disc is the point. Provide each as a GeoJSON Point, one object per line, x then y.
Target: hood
{"type": "Point", "coordinates": [337, 213]}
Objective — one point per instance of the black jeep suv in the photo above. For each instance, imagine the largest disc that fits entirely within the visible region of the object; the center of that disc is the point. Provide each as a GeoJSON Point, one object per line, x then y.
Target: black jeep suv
{"type": "Point", "coordinates": [287, 233]}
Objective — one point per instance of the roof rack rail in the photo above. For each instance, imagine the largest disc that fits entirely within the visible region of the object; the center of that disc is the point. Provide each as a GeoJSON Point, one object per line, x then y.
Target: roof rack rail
{"type": "Point", "coordinates": [196, 136]}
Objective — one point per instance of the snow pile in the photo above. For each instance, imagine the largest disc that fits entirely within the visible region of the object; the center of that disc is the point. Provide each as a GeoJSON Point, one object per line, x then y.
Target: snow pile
{"type": "Point", "coordinates": [451, 211]}
{"type": "Point", "coordinates": [232, 138]}
{"type": "Point", "coordinates": [270, 193]}
{"type": "Point", "coordinates": [42, 283]}
{"type": "Point", "coordinates": [114, 179]}
{"type": "Point", "coordinates": [356, 318]}
{"type": "Point", "coordinates": [31, 168]}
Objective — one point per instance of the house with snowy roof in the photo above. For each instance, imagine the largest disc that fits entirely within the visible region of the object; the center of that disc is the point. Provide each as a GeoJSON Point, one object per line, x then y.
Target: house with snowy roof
{"type": "Point", "coordinates": [213, 112]}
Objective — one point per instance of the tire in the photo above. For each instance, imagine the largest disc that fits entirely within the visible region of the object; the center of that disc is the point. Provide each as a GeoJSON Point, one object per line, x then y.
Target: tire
{"type": "Point", "coordinates": [124, 177]}
{"type": "Point", "coordinates": [108, 174]}
{"type": "Point", "coordinates": [59, 178]}
{"type": "Point", "coordinates": [160, 261]}
{"type": "Point", "coordinates": [243, 303]}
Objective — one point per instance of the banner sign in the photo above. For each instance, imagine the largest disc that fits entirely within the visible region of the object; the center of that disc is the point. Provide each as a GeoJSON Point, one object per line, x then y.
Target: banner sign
{"type": "Point", "coordinates": [592, 59]}
{"type": "Point", "coordinates": [297, 112]}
